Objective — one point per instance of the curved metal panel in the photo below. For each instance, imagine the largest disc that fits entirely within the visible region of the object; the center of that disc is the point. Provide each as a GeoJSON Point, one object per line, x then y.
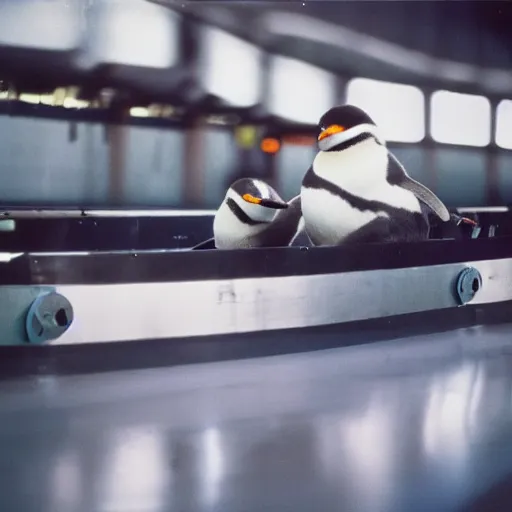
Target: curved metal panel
{"type": "Point", "coordinates": [137, 311]}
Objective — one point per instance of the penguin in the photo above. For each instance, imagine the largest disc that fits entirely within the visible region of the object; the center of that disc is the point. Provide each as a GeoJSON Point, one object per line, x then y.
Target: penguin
{"type": "Point", "coordinates": [253, 214]}
{"type": "Point", "coordinates": [356, 190]}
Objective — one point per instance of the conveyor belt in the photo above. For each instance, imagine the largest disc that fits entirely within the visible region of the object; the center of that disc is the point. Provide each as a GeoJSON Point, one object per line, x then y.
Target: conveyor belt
{"type": "Point", "coordinates": [422, 424]}
{"type": "Point", "coordinates": [56, 230]}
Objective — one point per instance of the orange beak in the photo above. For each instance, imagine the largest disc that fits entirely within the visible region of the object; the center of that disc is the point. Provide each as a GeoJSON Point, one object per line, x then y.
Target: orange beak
{"type": "Point", "coordinates": [251, 199]}
{"type": "Point", "coordinates": [331, 130]}
{"type": "Point", "coordinates": [267, 203]}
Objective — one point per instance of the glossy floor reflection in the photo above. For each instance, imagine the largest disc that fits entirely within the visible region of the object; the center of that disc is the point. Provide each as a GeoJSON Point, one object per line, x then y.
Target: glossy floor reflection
{"type": "Point", "coordinates": [422, 424]}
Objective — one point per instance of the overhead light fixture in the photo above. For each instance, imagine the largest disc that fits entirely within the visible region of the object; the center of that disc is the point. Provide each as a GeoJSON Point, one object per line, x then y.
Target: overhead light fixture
{"type": "Point", "coordinates": [139, 112]}
{"type": "Point", "coordinates": [34, 99]}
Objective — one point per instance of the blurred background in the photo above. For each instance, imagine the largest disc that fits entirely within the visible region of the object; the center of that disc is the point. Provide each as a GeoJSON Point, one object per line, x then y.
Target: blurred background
{"type": "Point", "coordinates": [142, 104]}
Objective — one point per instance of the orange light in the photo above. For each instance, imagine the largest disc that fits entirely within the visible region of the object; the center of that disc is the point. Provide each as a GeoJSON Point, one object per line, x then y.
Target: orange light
{"type": "Point", "coordinates": [251, 199]}
{"type": "Point", "coordinates": [331, 130]}
{"type": "Point", "coordinates": [270, 145]}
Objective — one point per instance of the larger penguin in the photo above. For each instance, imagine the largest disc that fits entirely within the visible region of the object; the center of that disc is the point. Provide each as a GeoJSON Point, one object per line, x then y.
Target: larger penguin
{"type": "Point", "coordinates": [357, 191]}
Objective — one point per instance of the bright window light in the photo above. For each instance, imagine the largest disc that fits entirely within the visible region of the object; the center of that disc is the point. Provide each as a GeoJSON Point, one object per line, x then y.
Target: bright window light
{"type": "Point", "coordinates": [461, 119]}
{"type": "Point", "coordinates": [136, 33]}
{"type": "Point", "coordinates": [399, 110]}
{"type": "Point", "coordinates": [43, 25]}
{"type": "Point", "coordinates": [299, 91]}
{"type": "Point", "coordinates": [230, 67]}
{"type": "Point", "coordinates": [504, 124]}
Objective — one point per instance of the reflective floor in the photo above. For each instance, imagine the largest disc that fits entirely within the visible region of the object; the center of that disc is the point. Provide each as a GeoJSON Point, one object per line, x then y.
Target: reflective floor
{"type": "Point", "coordinates": [423, 424]}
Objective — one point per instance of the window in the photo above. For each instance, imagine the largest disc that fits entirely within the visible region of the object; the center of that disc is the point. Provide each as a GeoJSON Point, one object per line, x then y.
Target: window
{"type": "Point", "coordinates": [230, 67]}
{"type": "Point", "coordinates": [43, 25]}
{"type": "Point", "coordinates": [136, 33]}
{"type": "Point", "coordinates": [299, 91]}
{"type": "Point", "coordinates": [461, 119]}
{"type": "Point", "coordinates": [504, 124]}
{"type": "Point", "coordinates": [399, 110]}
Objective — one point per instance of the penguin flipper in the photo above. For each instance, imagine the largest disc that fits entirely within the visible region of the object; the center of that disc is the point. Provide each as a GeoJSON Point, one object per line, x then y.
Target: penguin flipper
{"type": "Point", "coordinates": [428, 197]}
{"type": "Point", "coordinates": [206, 245]}
{"type": "Point", "coordinates": [422, 192]}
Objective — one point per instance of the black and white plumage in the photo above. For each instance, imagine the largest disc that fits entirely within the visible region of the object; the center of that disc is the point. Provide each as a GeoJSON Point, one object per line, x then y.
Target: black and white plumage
{"type": "Point", "coordinates": [253, 214]}
{"type": "Point", "coordinates": [357, 191]}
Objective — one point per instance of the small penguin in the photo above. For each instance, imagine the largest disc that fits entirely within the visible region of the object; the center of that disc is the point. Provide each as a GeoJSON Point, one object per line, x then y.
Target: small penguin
{"type": "Point", "coordinates": [357, 191]}
{"type": "Point", "coordinates": [253, 214]}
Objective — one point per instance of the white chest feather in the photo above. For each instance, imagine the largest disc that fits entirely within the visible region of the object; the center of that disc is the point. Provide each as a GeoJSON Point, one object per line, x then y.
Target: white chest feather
{"type": "Point", "coordinates": [361, 171]}
{"type": "Point", "coordinates": [329, 219]}
{"type": "Point", "coordinates": [230, 233]}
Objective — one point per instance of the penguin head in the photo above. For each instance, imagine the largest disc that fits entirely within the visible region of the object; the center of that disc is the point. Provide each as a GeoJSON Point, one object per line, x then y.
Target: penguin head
{"type": "Point", "coordinates": [258, 200]}
{"type": "Point", "coordinates": [343, 124]}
